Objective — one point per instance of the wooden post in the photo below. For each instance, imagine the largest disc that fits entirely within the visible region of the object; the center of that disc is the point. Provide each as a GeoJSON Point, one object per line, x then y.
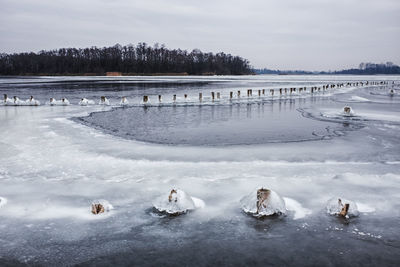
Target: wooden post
{"type": "Point", "coordinates": [185, 95]}
{"type": "Point", "coordinates": [280, 91]}
{"type": "Point", "coordinates": [159, 98]}
{"type": "Point", "coordinates": [218, 95]}
{"type": "Point", "coordinates": [212, 96]}
{"type": "Point", "coordinates": [259, 92]}
{"type": "Point", "coordinates": [230, 95]}
{"type": "Point", "coordinates": [174, 98]}
{"type": "Point", "coordinates": [285, 91]}
{"type": "Point", "coordinates": [145, 99]}
{"type": "Point", "coordinates": [200, 97]}
{"type": "Point", "coordinates": [263, 91]}
{"type": "Point", "coordinates": [238, 93]}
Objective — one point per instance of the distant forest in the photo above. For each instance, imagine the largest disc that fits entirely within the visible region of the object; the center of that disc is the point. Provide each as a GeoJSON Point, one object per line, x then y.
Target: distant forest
{"type": "Point", "coordinates": [364, 69]}
{"type": "Point", "coordinates": [130, 59]}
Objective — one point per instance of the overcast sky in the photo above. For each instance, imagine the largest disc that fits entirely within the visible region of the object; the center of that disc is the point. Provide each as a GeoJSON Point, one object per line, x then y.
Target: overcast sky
{"type": "Point", "coordinates": [278, 34]}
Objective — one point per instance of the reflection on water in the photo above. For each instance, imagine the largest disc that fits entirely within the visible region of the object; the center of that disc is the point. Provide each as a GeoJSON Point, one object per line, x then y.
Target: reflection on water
{"type": "Point", "coordinates": [235, 124]}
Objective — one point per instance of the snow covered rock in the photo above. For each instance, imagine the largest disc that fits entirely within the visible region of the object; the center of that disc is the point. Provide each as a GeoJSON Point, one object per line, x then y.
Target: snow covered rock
{"type": "Point", "coordinates": [342, 207]}
{"type": "Point", "coordinates": [263, 202]}
{"type": "Point", "coordinates": [177, 202]}
{"type": "Point", "coordinates": [101, 206]}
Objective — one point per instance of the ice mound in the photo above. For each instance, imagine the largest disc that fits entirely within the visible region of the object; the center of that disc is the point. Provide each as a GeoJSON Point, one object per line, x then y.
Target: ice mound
{"type": "Point", "coordinates": [348, 111]}
{"type": "Point", "coordinates": [18, 102]}
{"type": "Point", "coordinates": [7, 100]}
{"type": "Point", "coordinates": [145, 100]}
{"type": "Point", "coordinates": [104, 101]}
{"type": "Point", "coordinates": [3, 201]}
{"type": "Point", "coordinates": [86, 102]}
{"type": "Point", "coordinates": [342, 207]}
{"type": "Point", "coordinates": [32, 102]}
{"type": "Point", "coordinates": [263, 202]}
{"type": "Point", "coordinates": [177, 202]}
{"type": "Point", "coordinates": [101, 206]}
{"type": "Point", "coordinates": [124, 101]}
{"type": "Point", "coordinates": [392, 92]}
{"type": "Point", "coordinates": [62, 102]}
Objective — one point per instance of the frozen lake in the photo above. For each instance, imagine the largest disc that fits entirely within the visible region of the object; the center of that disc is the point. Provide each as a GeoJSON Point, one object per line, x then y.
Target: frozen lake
{"type": "Point", "coordinates": [55, 160]}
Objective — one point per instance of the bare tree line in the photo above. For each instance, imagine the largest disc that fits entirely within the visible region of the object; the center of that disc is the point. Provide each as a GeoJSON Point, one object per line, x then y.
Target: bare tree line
{"type": "Point", "coordinates": [130, 59]}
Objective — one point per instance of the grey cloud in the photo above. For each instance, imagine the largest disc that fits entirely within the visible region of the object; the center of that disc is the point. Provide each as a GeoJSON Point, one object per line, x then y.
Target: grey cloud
{"type": "Point", "coordinates": [286, 34]}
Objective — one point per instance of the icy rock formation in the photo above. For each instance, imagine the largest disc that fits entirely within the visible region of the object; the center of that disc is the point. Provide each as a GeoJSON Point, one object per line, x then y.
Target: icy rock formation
{"type": "Point", "coordinates": [18, 102]}
{"type": "Point", "coordinates": [104, 101]}
{"type": "Point", "coordinates": [177, 202]}
{"type": "Point", "coordinates": [62, 102]}
{"type": "Point", "coordinates": [32, 102]}
{"type": "Point", "coordinates": [124, 101]}
{"type": "Point", "coordinates": [3, 201]}
{"type": "Point", "coordinates": [52, 102]}
{"type": "Point", "coordinates": [101, 206]}
{"type": "Point", "coordinates": [348, 111]}
{"type": "Point", "coordinates": [86, 102]}
{"type": "Point", "coordinates": [263, 202]}
{"type": "Point", "coordinates": [342, 207]}
{"type": "Point", "coordinates": [7, 101]}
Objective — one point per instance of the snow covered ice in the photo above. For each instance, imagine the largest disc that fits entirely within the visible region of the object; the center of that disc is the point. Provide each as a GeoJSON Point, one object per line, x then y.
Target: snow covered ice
{"type": "Point", "coordinates": [56, 160]}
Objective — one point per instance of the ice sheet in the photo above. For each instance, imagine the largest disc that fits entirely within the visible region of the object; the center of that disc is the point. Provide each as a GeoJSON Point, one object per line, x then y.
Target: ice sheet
{"type": "Point", "coordinates": [52, 168]}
